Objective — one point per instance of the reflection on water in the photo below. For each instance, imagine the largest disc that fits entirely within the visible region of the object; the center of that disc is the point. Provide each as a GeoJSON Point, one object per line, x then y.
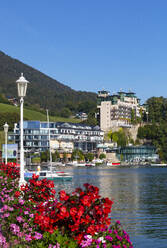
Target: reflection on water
{"type": "Point", "coordinates": [140, 199]}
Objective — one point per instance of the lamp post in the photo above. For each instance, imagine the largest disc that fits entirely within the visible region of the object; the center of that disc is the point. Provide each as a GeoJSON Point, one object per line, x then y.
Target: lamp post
{"type": "Point", "coordinates": [6, 134]}
{"type": "Point", "coordinates": [22, 88]}
{"type": "Point", "coordinates": [50, 153]}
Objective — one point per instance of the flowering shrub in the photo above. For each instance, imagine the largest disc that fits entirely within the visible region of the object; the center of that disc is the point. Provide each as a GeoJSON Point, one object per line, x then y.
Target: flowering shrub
{"type": "Point", "coordinates": [38, 190]}
{"type": "Point", "coordinates": [114, 237]}
{"type": "Point", "coordinates": [16, 214]}
{"type": "Point", "coordinates": [8, 187]}
{"type": "Point", "coordinates": [33, 217]}
{"type": "Point", "coordinates": [82, 212]}
{"type": "Point", "coordinates": [17, 222]}
{"type": "Point", "coordinates": [17, 228]}
{"type": "Point", "coordinates": [10, 169]}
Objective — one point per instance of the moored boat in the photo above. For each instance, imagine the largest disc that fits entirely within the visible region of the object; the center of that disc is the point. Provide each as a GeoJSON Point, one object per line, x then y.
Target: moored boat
{"type": "Point", "coordinates": [90, 164]}
{"type": "Point", "coordinates": [112, 164]}
{"type": "Point", "coordinates": [76, 163]}
{"type": "Point", "coordinates": [80, 164]}
{"type": "Point", "coordinates": [159, 165]}
{"type": "Point", "coordinates": [51, 175]}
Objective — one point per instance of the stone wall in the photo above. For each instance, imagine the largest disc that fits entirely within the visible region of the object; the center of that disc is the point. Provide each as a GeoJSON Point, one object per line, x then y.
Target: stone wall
{"type": "Point", "coordinates": [132, 131]}
{"type": "Point", "coordinates": [111, 157]}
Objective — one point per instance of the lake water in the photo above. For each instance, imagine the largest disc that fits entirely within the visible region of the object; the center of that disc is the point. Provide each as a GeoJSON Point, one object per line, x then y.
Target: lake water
{"type": "Point", "coordinates": [140, 199]}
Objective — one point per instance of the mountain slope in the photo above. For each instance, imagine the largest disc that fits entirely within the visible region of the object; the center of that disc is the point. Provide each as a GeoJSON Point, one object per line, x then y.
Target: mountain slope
{"type": "Point", "coordinates": [42, 90]}
{"type": "Point", "coordinates": [11, 115]}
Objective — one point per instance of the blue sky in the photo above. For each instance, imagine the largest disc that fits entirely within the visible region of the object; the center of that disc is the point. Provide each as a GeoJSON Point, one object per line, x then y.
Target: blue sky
{"type": "Point", "coordinates": [91, 44]}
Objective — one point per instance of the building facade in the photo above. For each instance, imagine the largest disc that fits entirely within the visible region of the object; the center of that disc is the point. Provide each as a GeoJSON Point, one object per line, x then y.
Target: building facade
{"type": "Point", "coordinates": [64, 136]}
{"type": "Point", "coordinates": [117, 109]}
{"type": "Point", "coordinates": [138, 153]}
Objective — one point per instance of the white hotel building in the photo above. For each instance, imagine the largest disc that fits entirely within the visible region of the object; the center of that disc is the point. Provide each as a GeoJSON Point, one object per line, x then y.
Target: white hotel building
{"type": "Point", "coordinates": [115, 110]}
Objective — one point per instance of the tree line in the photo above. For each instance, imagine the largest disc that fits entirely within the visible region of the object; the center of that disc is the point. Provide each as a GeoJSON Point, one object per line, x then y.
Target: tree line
{"type": "Point", "coordinates": [77, 155]}
{"type": "Point", "coordinates": [155, 131]}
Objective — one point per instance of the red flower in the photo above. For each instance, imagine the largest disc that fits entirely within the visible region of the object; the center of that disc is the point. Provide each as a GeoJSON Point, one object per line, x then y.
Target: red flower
{"type": "Point", "coordinates": [91, 229]}
{"type": "Point", "coordinates": [73, 211]}
{"type": "Point", "coordinates": [84, 211]}
{"type": "Point", "coordinates": [79, 237]}
{"type": "Point", "coordinates": [17, 194]}
{"type": "Point", "coordinates": [107, 210]}
{"type": "Point", "coordinates": [39, 183]}
{"type": "Point", "coordinates": [63, 213]}
{"type": "Point", "coordinates": [63, 196]}
{"type": "Point", "coordinates": [108, 202]}
{"type": "Point", "coordinates": [86, 201]}
{"type": "Point", "coordinates": [53, 191]}
{"type": "Point", "coordinates": [80, 211]}
{"type": "Point", "coordinates": [34, 176]}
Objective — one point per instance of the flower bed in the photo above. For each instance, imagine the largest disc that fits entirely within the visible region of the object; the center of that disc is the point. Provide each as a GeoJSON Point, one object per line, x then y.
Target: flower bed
{"type": "Point", "coordinates": [33, 217]}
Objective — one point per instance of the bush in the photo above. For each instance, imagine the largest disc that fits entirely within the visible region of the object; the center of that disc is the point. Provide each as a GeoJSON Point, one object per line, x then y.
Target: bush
{"type": "Point", "coordinates": [102, 156]}
{"type": "Point", "coordinates": [82, 212]}
{"type": "Point", "coordinates": [32, 217]}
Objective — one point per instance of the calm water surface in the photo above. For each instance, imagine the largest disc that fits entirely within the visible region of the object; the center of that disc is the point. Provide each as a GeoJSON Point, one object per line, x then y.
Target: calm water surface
{"type": "Point", "coordinates": [140, 199]}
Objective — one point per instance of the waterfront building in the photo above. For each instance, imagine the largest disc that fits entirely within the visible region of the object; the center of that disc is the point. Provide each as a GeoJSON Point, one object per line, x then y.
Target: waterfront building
{"type": "Point", "coordinates": [116, 110]}
{"type": "Point", "coordinates": [141, 153]}
{"type": "Point", "coordinates": [67, 136]}
{"type": "Point", "coordinates": [138, 153]}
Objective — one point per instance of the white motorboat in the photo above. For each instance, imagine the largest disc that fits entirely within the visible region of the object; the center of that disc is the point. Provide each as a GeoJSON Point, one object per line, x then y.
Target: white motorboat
{"type": "Point", "coordinates": [51, 175]}
{"type": "Point", "coordinates": [112, 164]}
{"type": "Point", "coordinates": [79, 164]}
{"type": "Point", "coordinates": [161, 165]}
{"type": "Point", "coordinates": [71, 163]}
{"type": "Point", "coordinates": [76, 163]}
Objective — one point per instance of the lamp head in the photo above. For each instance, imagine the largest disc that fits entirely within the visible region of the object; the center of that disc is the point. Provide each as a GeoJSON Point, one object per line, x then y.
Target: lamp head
{"type": "Point", "coordinates": [22, 86]}
{"type": "Point", "coordinates": [5, 126]}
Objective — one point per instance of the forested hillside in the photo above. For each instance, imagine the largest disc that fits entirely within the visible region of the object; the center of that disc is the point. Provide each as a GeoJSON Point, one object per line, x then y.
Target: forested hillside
{"type": "Point", "coordinates": [156, 129]}
{"type": "Point", "coordinates": [43, 91]}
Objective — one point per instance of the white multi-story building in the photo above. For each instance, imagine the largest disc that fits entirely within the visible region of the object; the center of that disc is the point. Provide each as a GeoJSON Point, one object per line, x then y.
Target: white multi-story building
{"type": "Point", "coordinates": [64, 136]}
{"type": "Point", "coordinates": [116, 110]}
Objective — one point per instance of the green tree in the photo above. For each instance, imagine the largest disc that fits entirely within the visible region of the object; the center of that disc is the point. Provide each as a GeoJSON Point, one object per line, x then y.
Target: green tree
{"type": "Point", "coordinates": [156, 134]}
{"type": "Point", "coordinates": [66, 112]}
{"type": "Point", "coordinates": [121, 157]}
{"type": "Point", "coordinates": [87, 106]}
{"type": "Point", "coordinates": [77, 155]}
{"type": "Point", "coordinates": [115, 137]}
{"type": "Point", "coordinates": [91, 121]}
{"type": "Point", "coordinates": [64, 157]}
{"type": "Point", "coordinates": [157, 109]}
{"type": "Point", "coordinates": [109, 135]}
{"type": "Point", "coordinates": [44, 156]}
{"type": "Point", "coordinates": [89, 156]}
{"type": "Point", "coordinates": [55, 156]}
{"type": "Point", "coordinates": [120, 138]}
{"type": "Point", "coordinates": [102, 156]}
{"type": "Point", "coordinates": [133, 117]}
{"type": "Point", "coordinates": [145, 117]}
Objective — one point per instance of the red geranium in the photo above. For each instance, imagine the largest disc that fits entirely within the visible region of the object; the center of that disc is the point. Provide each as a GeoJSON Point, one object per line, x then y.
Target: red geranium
{"type": "Point", "coordinates": [82, 212]}
{"type": "Point", "coordinates": [63, 196]}
{"type": "Point", "coordinates": [73, 211]}
{"type": "Point", "coordinates": [17, 194]}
